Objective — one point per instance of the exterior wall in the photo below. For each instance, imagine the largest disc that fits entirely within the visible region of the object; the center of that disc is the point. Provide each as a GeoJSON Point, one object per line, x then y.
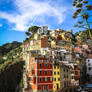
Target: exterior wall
{"type": "Point", "coordinates": [25, 48]}
{"type": "Point", "coordinates": [75, 76]}
{"type": "Point", "coordinates": [72, 79]}
{"type": "Point", "coordinates": [56, 77]}
{"type": "Point", "coordinates": [65, 77]}
{"type": "Point", "coordinates": [35, 45]}
{"type": "Point", "coordinates": [33, 74]}
{"type": "Point", "coordinates": [89, 66]}
{"type": "Point", "coordinates": [45, 75]}
{"type": "Point", "coordinates": [44, 42]}
{"type": "Point", "coordinates": [76, 69]}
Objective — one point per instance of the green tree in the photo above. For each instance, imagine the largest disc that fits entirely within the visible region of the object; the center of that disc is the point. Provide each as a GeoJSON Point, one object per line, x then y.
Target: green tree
{"type": "Point", "coordinates": [31, 30]}
{"type": "Point", "coordinates": [82, 11]}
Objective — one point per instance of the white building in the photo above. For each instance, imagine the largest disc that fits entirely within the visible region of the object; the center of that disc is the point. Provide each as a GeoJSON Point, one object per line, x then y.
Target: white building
{"type": "Point", "coordinates": [89, 66]}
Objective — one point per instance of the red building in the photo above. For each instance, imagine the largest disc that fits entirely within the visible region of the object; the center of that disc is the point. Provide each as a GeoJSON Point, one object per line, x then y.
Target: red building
{"type": "Point", "coordinates": [41, 74]}
{"type": "Point", "coordinates": [44, 74]}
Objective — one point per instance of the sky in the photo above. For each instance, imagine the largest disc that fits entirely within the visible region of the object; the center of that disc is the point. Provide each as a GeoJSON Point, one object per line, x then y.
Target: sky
{"type": "Point", "coordinates": [16, 16]}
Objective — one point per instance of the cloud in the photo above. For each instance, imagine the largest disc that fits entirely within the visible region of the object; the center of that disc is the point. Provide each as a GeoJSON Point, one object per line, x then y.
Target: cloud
{"type": "Point", "coordinates": [31, 11]}
{"type": "Point", "coordinates": [1, 25]}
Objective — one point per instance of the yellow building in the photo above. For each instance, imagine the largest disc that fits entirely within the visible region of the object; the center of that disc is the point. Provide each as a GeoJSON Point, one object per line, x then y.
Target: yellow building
{"type": "Point", "coordinates": [56, 77]}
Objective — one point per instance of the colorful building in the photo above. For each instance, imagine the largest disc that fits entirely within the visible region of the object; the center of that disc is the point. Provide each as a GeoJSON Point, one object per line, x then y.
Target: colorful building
{"type": "Point", "coordinates": [41, 74]}
{"type": "Point", "coordinates": [65, 72]}
{"type": "Point", "coordinates": [56, 77]}
{"type": "Point", "coordinates": [47, 56]}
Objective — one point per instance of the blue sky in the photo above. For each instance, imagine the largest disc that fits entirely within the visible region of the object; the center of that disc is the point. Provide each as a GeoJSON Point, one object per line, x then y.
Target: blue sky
{"type": "Point", "coordinates": [17, 15]}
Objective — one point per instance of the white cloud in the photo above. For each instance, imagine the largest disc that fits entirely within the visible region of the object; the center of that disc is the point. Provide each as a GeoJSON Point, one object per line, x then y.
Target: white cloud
{"type": "Point", "coordinates": [1, 25]}
{"type": "Point", "coordinates": [30, 11]}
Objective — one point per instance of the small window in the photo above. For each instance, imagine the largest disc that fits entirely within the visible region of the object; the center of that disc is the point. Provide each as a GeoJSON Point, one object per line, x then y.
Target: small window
{"type": "Point", "coordinates": [54, 79]}
{"type": "Point", "coordinates": [67, 76]}
{"type": "Point", "coordinates": [64, 69]}
{"type": "Point", "coordinates": [58, 66]}
{"type": "Point", "coordinates": [54, 67]}
{"type": "Point", "coordinates": [89, 64]}
{"type": "Point", "coordinates": [67, 70]}
{"type": "Point", "coordinates": [48, 79]}
{"type": "Point", "coordinates": [45, 65]}
{"type": "Point", "coordinates": [58, 73]}
{"type": "Point", "coordinates": [64, 75]}
{"type": "Point", "coordinates": [50, 72]}
{"type": "Point", "coordinates": [72, 77]}
{"type": "Point", "coordinates": [40, 72]}
{"type": "Point", "coordinates": [40, 65]}
{"type": "Point", "coordinates": [51, 65]}
{"type": "Point", "coordinates": [45, 72]}
{"type": "Point", "coordinates": [58, 79]}
{"type": "Point", "coordinates": [43, 79]}
{"type": "Point", "coordinates": [76, 73]}
{"type": "Point", "coordinates": [40, 79]}
{"type": "Point", "coordinates": [54, 73]}
{"type": "Point", "coordinates": [89, 68]}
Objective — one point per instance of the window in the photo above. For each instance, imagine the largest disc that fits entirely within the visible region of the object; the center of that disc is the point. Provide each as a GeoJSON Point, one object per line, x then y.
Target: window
{"type": "Point", "coordinates": [88, 60]}
{"type": "Point", "coordinates": [40, 79]}
{"type": "Point", "coordinates": [45, 72]}
{"type": "Point", "coordinates": [40, 65]}
{"type": "Point", "coordinates": [58, 66]}
{"type": "Point", "coordinates": [57, 86]}
{"type": "Point", "coordinates": [45, 65]}
{"type": "Point", "coordinates": [40, 72]}
{"type": "Point", "coordinates": [50, 72]}
{"type": "Point", "coordinates": [67, 76]}
{"type": "Point", "coordinates": [64, 69]}
{"type": "Point", "coordinates": [48, 79]}
{"type": "Point", "coordinates": [67, 70]}
{"type": "Point", "coordinates": [54, 67]}
{"type": "Point", "coordinates": [58, 79]}
{"type": "Point", "coordinates": [54, 73]}
{"type": "Point", "coordinates": [54, 79]}
{"type": "Point", "coordinates": [42, 87]}
{"type": "Point", "coordinates": [89, 68]}
{"type": "Point", "coordinates": [47, 87]}
{"type": "Point", "coordinates": [72, 77]}
{"type": "Point", "coordinates": [76, 73]}
{"type": "Point", "coordinates": [43, 79]}
{"type": "Point", "coordinates": [58, 73]}
{"type": "Point", "coordinates": [88, 64]}
{"type": "Point", "coordinates": [51, 65]}
{"type": "Point", "coordinates": [64, 75]}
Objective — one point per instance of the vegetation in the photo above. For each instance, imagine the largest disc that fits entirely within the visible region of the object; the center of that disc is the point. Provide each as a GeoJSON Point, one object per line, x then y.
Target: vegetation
{"type": "Point", "coordinates": [10, 77]}
{"type": "Point", "coordinates": [11, 68]}
{"type": "Point", "coordinates": [82, 11]}
{"type": "Point", "coordinates": [8, 47]}
{"type": "Point", "coordinates": [31, 31]}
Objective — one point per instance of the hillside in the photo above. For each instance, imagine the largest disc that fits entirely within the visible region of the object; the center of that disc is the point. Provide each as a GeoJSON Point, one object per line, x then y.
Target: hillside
{"type": "Point", "coordinates": [11, 67]}
{"type": "Point", "coordinates": [83, 36]}
{"type": "Point", "coordinates": [4, 49]}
